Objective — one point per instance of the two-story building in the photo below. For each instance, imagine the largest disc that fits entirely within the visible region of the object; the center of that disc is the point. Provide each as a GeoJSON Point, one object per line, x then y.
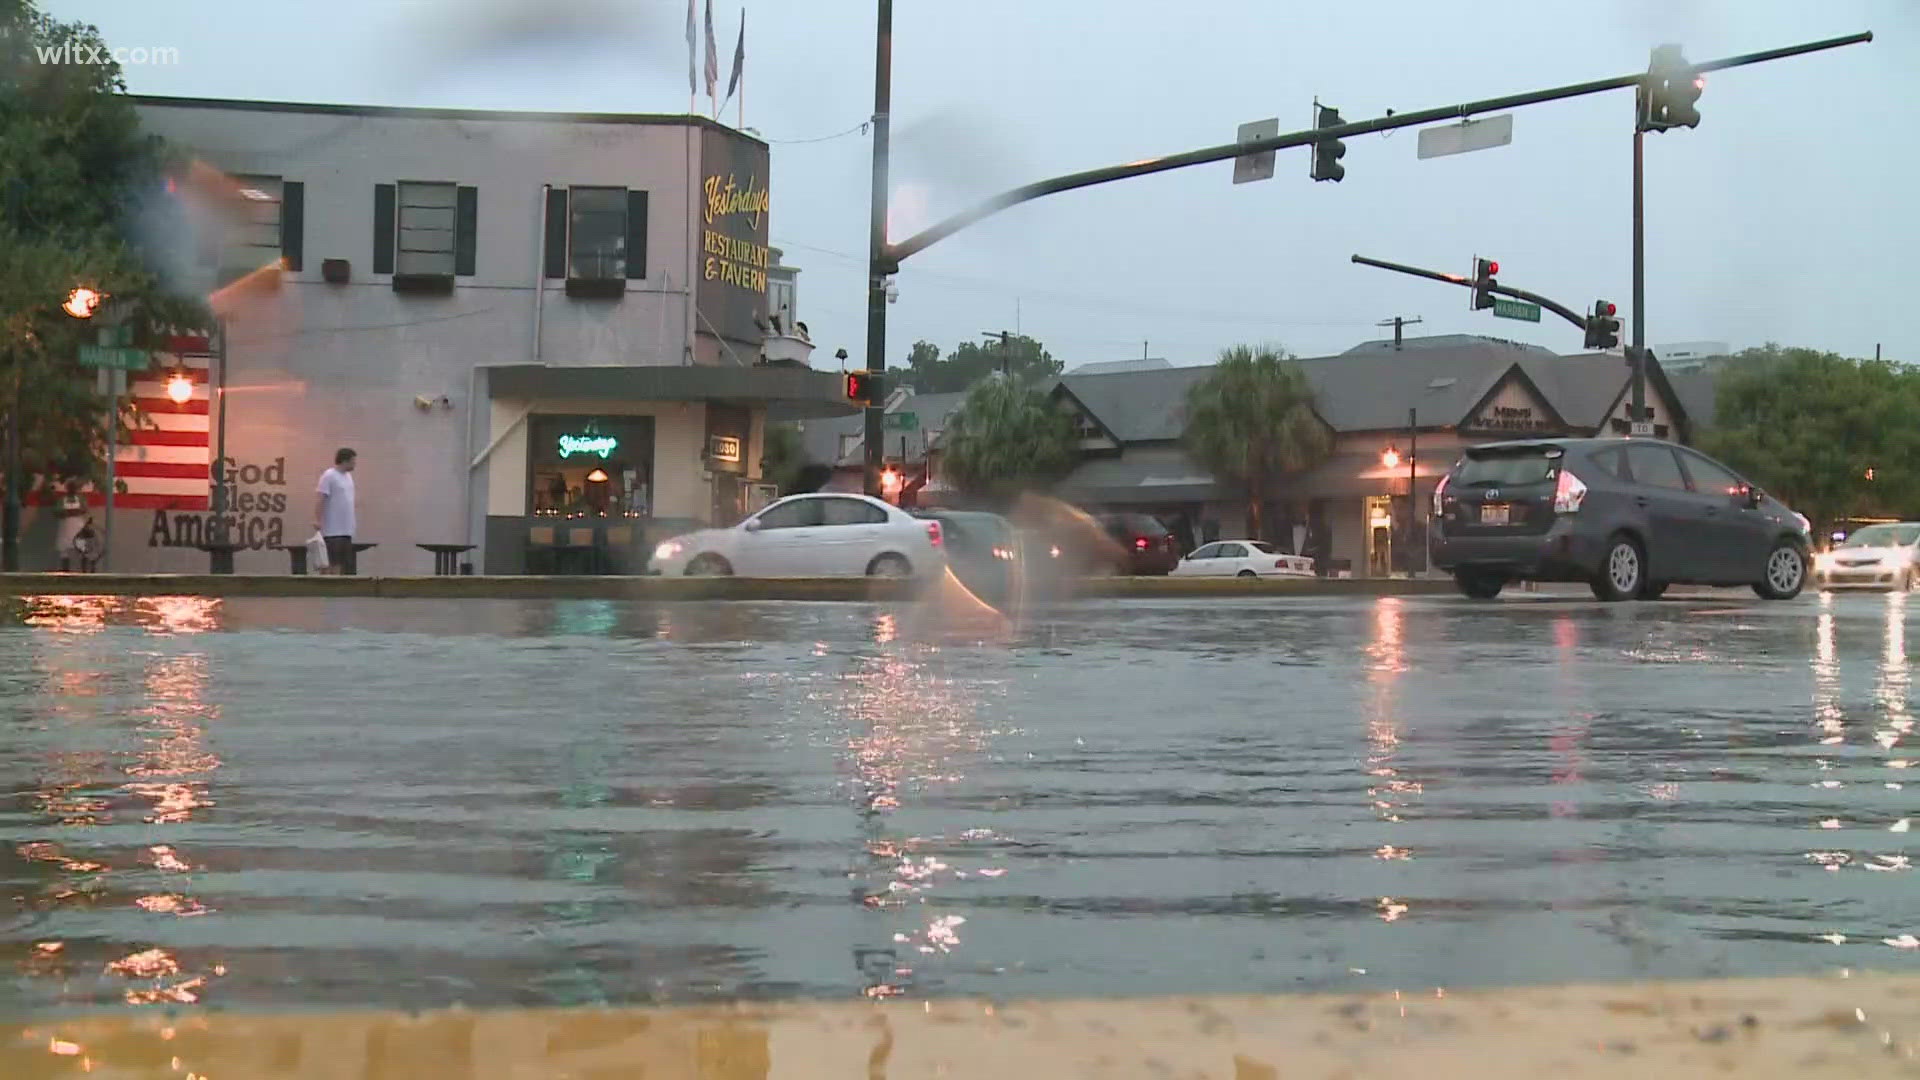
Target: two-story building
{"type": "Point", "coordinates": [537, 330]}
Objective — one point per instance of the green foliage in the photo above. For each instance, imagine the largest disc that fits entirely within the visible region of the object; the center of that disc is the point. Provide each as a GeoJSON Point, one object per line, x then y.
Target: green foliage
{"type": "Point", "coordinates": [928, 373]}
{"type": "Point", "coordinates": [1251, 422]}
{"type": "Point", "coordinates": [783, 457]}
{"type": "Point", "coordinates": [75, 172]}
{"type": "Point", "coordinates": [1807, 425]}
{"type": "Point", "coordinates": [1006, 437]}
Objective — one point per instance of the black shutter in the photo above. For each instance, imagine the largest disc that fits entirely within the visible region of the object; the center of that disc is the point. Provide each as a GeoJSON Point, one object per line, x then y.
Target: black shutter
{"type": "Point", "coordinates": [466, 223]}
{"type": "Point", "coordinates": [636, 234]}
{"type": "Point", "coordinates": [293, 222]}
{"type": "Point", "coordinates": [383, 228]}
{"type": "Point", "coordinates": [557, 232]}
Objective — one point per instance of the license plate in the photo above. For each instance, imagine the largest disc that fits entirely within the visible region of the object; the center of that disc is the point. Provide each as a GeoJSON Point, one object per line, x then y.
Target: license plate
{"type": "Point", "coordinates": [1495, 513]}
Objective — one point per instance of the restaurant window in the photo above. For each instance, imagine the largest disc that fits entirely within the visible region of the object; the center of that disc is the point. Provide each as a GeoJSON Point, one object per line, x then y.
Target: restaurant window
{"type": "Point", "coordinates": [426, 229]}
{"type": "Point", "coordinates": [258, 223]}
{"type": "Point", "coordinates": [596, 238]}
{"type": "Point", "coordinates": [590, 466]}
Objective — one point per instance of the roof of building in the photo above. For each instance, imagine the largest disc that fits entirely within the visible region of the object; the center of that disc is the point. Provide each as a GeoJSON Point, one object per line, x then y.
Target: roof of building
{"type": "Point", "coordinates": [1695, 389]}
{"type": "Point", "coordinates": [409, 112]}
{"type": "Point", "coordinates": [820, 439]}
{"type": "Point", "coordinates": [1101, 367]}
{"type": "Point", "coordinates": [1371, 386]}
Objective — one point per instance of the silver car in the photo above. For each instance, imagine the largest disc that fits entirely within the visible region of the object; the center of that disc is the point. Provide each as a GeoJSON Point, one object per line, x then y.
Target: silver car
{"type": "Point", "coordinates": [1876, 557]}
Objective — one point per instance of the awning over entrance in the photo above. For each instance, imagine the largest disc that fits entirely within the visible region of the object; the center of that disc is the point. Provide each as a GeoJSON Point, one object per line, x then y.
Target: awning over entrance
{"type": "Point", "coordinates": [1139, 477]}
{"type": "Point", "coordinates": [787, 393]}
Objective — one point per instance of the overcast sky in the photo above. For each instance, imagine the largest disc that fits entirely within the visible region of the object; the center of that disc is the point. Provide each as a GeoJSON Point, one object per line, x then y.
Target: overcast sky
{"type": "Point", "coordinates": [1789, 214]}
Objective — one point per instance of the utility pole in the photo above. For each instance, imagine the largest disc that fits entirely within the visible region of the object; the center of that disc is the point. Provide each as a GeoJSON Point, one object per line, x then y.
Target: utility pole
{"type": "Point", "coordinates": [1413, 487]}
{"type": "Point", "coordinates": [881, 264]}
{"type": "Point", "coordinates": [1397, 322]}
{"type": "Point", "coordinates": [1006, 350]}
{"type": "Point", "coordinates": [1638, 354]}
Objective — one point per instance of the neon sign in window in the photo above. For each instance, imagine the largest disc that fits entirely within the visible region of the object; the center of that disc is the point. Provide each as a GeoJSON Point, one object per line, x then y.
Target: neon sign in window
{"type": "Point", "coordinates": [602, 445]}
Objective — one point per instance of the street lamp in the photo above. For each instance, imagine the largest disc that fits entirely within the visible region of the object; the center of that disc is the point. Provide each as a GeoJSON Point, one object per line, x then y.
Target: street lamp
{"type": "Point", "coordinates": [179, 388]}
{"type": "Point", "coordinates": [1390, 458]}
{"type": "Point", "coordinates": [82, 302]}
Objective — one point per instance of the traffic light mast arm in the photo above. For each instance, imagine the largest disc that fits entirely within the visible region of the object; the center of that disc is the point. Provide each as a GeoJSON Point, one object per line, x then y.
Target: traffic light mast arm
{"type": "Point", "coordinates": [1461, 279]}
{"type": "Point", "coordinates": [920, 241]}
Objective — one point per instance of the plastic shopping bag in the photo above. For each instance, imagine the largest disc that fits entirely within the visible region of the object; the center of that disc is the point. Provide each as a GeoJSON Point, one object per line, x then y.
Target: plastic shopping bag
{"type": "Point", "coordinates": [316, 551]}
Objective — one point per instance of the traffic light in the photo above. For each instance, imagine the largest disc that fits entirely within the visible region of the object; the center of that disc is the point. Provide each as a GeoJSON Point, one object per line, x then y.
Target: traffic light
{"type": "Point", "coordinates": [1328, 152]}
{"type": "Point", "coordinates": [863, 387]}
{"type": "Point", "coordinates": [1603, 330]}
{"type": "Point", "coordinates": [1483, 271]}
{"type": "Point", "coordinates": [1671, 88]}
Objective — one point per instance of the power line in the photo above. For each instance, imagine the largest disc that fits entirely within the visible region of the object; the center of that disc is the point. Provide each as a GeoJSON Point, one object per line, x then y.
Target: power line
{"type": "Point", "coordinates": [860, 127]}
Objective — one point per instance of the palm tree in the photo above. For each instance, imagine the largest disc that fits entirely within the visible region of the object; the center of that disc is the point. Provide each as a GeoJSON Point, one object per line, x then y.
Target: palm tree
{"type": "Point", "coordinates": [1004, 437]}
{"type": "Point", "coordinates": [1251, 421]}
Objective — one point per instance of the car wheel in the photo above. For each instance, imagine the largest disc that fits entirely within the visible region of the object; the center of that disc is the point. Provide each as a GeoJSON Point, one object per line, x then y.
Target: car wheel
{"type": "Point", "coordinates": [890, 566]}
{"type": "Point", "coordinates": [1653, 590]}
{"type": "Point", "coordinates": [1479, 586]}
{"type": "Point", "coordinates": [1623, 570]}
{"type": "Point", "coordinates": [1246, 573]}
{"type": "Point", "coordinates": [709, 566]}
{"type": "Point", "coordinates": [1786, 572]}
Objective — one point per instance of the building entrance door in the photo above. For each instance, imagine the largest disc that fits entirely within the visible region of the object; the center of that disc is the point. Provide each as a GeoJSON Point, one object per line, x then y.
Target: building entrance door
{"type": "Point", "coordinates": [1379, 512]}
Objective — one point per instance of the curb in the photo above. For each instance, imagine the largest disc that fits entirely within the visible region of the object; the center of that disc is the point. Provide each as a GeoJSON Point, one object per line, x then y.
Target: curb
{"type": "Point", "coordinates": [842, 590]}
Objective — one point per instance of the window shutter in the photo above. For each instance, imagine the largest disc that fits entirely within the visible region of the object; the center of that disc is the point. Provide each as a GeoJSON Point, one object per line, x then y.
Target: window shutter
{"type": "Point", "coordinates": [293, 222]}
{"type": "Point", "coordinates": [636, 234]}
{"type": "Point", "coordinates": [383, 210]}
{"type": "Point", "coordinates": [466, 222]}
{"type": "Point", "coordinates": [557, 233]}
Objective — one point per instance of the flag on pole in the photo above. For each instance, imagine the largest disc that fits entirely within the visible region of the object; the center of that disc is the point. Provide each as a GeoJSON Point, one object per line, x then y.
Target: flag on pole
{"type": "Point", "coordinates": [739, 56]}
{"type": "Point", "coordinates": [693, 82]}
{"type": "Point", "coordinates": [713, 58]}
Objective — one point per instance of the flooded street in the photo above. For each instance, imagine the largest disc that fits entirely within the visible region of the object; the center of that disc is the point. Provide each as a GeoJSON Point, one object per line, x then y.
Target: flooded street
{"type": "Point", "coordinates": [272, 804]}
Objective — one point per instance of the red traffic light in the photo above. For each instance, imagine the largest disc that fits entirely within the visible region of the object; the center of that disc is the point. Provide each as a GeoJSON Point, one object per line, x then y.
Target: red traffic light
{"type": "Point", "coordinates": [1492, 267]}
{"type": "Point", "coordinates": [1604, 308]}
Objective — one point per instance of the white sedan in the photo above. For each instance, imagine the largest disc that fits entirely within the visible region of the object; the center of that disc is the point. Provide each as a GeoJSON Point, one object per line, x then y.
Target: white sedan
{"type": "Point", "coordinates": [1876, 557]}
{"type": "Point", "coordinates": [810, 536]}
{"type": "Point", "coordinates": [1242, 558]}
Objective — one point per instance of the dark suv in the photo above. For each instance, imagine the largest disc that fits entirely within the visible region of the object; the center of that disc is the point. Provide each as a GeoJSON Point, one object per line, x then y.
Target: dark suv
{"type": "Point", "coordinates": [1150, 548]}
{"type": "Point", "coordinates": [1627, 516]}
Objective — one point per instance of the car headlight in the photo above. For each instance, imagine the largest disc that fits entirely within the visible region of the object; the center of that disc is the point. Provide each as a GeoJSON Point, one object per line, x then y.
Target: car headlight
{"type": "Point", "coordinates": [1900, 557]}
{"type": "Point", "coordinates": [668, 549]}
{"type": "Point", "coordinates": [1806, 527]}
{"type": "Point", "coordinates": [1823, 561]}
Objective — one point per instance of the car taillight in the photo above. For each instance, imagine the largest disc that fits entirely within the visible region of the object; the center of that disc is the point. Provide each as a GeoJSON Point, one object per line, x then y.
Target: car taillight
{"type": "Point", "coordinates": [933, 533]}
{"type": "Point", "coordinates": [1439, 490]}
{"type": "Point", "coordinates": [1140, 542]}
{"type": "Point", "coordinates": [1568, 494]}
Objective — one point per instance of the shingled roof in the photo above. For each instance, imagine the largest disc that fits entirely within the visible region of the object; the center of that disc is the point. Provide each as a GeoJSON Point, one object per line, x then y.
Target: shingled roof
{"type": "Point", "coordinates": [1371, 386]}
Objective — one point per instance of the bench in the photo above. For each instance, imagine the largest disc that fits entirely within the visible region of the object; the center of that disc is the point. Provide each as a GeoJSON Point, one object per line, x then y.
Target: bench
{"type": "Point", "coordinates": [446, 557]}
{"type": "Point", "coordinates": [220, 556]}
{"type": "Point", "coordinates": [297, 556]}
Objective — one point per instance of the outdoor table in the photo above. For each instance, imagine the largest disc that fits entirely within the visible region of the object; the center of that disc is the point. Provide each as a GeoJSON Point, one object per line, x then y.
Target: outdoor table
{"type": "Point", "coordinates": [446, 557]}
{"type": "Point", "coordinates": [297, 556]}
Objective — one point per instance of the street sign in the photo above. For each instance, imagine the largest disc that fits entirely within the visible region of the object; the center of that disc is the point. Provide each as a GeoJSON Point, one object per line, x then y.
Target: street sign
{"type": "Point", "coordinates": [1250, 167]}
{"type": "Point", "coordinates": [114, 356]}
{"type": "Point", "coordinates": [1466, 136]}
{"type": "Point", "coordinates": [902, 421]}
{"type": "Point", "coordinates": [1516, 309]}
{"type": "Point", "coordinates": [1642, 429]}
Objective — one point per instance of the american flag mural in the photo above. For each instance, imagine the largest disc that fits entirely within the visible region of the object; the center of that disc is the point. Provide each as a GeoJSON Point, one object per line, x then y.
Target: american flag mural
{"type": "Point", "coordinates": [165, 457]}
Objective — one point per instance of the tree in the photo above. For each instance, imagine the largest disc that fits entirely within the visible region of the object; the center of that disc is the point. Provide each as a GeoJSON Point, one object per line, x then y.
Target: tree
{"type": "Point", "coordinates": [1808, 426]}
{"type": "Point", "coordinates": [1005, 437]}
{"type": "Point", "coordinates": [969, 362]}
{"type": "Point", "coordinates": [77, 178]}
{"type": "Point", "coordinates": [1251, 422]}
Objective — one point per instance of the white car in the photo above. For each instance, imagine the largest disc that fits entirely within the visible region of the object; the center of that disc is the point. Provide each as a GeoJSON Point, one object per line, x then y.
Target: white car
{"type": "Point", "coordinates": [1876, 557]}
{"type": "Point", "coordinates": [810, 536]}
{"type": "Point", "coordinates": [1242, 558]}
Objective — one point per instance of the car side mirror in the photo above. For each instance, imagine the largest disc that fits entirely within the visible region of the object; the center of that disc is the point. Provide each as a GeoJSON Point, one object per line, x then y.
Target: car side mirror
{"type": "Point", "coordinates": [751, 525]}
{"type": "Point", "coordinates": [1752, 497]}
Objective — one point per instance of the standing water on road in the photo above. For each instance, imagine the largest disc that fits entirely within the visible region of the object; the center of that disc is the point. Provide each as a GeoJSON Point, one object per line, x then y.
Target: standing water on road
{"type": "Point", "coordinates": [301, 803]}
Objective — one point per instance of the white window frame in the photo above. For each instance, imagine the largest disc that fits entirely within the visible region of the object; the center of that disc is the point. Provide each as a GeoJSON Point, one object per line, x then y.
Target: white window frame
{"type": "Point", "coordinates": [426, 227]}
{"type": "Point", "coordinates": [251, 228]}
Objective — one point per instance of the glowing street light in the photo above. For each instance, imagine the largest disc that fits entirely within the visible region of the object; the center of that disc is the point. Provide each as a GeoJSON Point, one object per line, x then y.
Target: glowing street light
{"type": "Point", "coordinates": [1390, 458]}
{"type": "Point", "coordinates": [82, 302]}
{"type": "Point", "coordinates": [179, 388]}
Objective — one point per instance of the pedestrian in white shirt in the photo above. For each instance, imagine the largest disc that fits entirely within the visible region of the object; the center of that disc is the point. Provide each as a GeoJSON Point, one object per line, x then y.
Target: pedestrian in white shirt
{"type": "Point", "coordinates": [333, 513]}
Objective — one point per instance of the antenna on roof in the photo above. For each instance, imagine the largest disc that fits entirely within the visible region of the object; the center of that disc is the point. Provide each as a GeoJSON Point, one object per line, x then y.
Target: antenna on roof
{"type": "Point", "coordinates": [1397, 322]}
